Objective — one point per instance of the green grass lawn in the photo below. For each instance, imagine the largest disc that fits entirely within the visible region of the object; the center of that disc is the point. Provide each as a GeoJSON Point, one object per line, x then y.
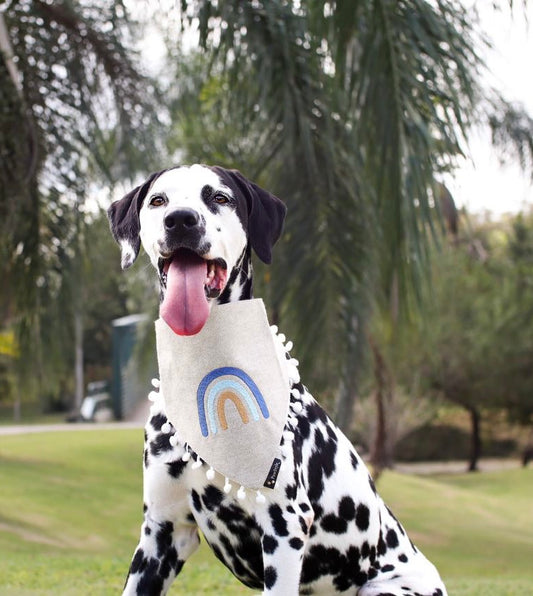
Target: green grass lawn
{"type": "Point", "coordinates": [71, 507]}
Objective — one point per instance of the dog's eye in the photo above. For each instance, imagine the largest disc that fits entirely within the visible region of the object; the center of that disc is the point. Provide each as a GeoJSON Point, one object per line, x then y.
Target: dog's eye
{"type": "Point", "coordinates": [158, 201]}
{"type": "Point", "coordinates": [221, 199]}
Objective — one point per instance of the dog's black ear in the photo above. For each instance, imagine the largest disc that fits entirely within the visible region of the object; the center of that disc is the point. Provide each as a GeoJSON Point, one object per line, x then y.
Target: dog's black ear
{"type": "Point", "coordinates": [124, 221]}
{"type": "Point", "coordinates": [262, 212]}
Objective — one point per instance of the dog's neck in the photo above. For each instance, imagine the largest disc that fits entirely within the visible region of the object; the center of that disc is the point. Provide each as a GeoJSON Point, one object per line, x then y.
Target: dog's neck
{"type": "Point", "coordinates": [240, 282]}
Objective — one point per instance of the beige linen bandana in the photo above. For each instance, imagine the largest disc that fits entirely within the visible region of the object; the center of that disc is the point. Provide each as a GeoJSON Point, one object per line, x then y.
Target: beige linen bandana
{"type": "Point", "coordinates": [226, 391]}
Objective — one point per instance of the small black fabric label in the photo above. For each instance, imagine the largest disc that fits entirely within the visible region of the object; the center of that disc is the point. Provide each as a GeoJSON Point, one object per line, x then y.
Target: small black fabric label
{"type": "Point", "coordinates": [270, 482]}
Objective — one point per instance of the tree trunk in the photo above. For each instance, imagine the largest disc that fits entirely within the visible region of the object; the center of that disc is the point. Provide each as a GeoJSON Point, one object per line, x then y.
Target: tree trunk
{"type": "Point", "coordinates": [78, 362]}
{"type": "Point", "coordinates": [345, 402]}
{"type": "Point", "coordinates": [348, 387]}
{"type": "Point", "coordinates": [17, 408]}
{"type": "Point", "coordinates": [475, 439]}
{"type": "Point", "coordinates": [380, 453]}
{"type": "Point", "coordinates": [7, 50]}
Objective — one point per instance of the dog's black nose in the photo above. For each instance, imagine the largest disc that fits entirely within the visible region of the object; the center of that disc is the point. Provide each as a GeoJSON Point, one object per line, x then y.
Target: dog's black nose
{"type": "Point", "coordinates": [181, 219]}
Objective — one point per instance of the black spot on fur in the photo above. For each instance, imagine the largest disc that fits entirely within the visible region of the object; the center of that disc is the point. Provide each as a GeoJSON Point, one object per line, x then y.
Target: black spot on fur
{"type": "Point", "coordinates": [150, 582]}
{"type": "Point", "coordinates": [372, 556]}
{"type": "Point", "coordinates": [347, 508]}
{"type": "Point", "coordinates": [342, 583]}
{"type": "Point", "coordinates": [245, 561]}
{"type": "Point", "coordinates": [326, 450]}
{"type": "Point", "coordinates": [196, 503]}
{"type": "Point", "coordinates": [315, 564]}
{"type": "Point", "coordinates": [248, 551]}
{"type": "Point", "coordinates": [365, 550]}
{"type": "Point", "coordinates": [212, 497]}
{"type": "Point", "coordinates": [315, 412]}
{"type": "Point", "coordinates": [175, 468]}
{"type": "Point", "coordinates": [138, 563]}
{"type": "Point", "coordinates": [372, 573]}
{"type": "Point", "coordinates": [157, 421]}
{"type": "Point", "coordinates": [270, 544]}
{"type": "Point", "coordinates": [362, 517]}
{"type": "Point", "coordinates": [387, 568]}
{"type": "Point", "coordinates": [304, 428]}
{"type": "Point", "coordinates": [335, 525]}
{"type": "Point", "coordinates": [234, 518]}
{"type": "Point", "coordinates": [271, 576]}
{"type": "Point", "coordinates": [403, 558]}
{"type": "Point", "coordinates": [316, 482]}
{"type": "Point", "coordinates": [164, 537]}
{"type": "Point", "coordinates": [291, 491]}
{"type": "Point", "coordinates": [160, 444]}
{"type": "Point", "coordinates": [392, 539]}
{"type": "Point", "coordinates": [279, 523]}
{"type": "Point", "coordinates": [206, 192]}
{"type": "Point", "coordinates": [296, 543]}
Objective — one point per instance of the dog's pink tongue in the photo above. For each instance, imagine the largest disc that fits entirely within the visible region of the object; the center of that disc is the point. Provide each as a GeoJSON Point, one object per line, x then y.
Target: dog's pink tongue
{"type": "Point", "coordinates": [184, 308]}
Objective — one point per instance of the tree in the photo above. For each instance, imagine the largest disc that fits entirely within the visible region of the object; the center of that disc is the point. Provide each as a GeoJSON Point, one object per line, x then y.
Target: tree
{"type": "Point", "coordinates": [515, 332]}
{"type": "Point", "coordinates": [74, 109]}
{"type": "Point", "coordinates": [473, 341]}
{"type": "Point", "coordinates": [349, 111]}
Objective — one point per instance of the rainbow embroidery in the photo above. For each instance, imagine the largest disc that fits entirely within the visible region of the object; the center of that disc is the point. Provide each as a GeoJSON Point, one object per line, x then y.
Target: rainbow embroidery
{"type": "Point", "coordinates": [223, 385]}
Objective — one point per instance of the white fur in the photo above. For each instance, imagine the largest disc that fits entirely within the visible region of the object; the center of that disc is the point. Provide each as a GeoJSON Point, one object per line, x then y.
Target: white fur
{"type": "Point", "coordinates": [128, 253]}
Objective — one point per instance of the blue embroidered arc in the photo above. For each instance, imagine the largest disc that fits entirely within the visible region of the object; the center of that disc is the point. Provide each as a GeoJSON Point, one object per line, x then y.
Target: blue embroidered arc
{"type": "Point", "coordinates": [223, 384]}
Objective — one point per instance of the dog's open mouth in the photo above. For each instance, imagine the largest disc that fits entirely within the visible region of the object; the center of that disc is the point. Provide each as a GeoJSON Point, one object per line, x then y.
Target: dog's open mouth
{"type": "Point", "coordinates": [189, 281]}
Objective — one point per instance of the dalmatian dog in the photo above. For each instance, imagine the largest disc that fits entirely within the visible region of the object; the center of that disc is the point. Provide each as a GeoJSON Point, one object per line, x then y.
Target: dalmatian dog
{"type": "Point", "coordinates": [323, 529]}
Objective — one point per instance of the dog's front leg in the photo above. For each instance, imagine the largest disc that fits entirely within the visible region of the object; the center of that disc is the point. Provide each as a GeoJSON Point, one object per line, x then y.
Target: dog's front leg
{"type": "Point", "coordinates": [286, 534]}
{"type": "Point", "coordinates": [169, 534]}
{"type": "Point", "coordinates": [159, 556]}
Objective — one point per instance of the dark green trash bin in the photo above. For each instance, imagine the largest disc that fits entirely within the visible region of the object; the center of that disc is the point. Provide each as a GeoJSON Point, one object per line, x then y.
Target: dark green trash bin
{"type": "Point", "coordinates": [130, 383]}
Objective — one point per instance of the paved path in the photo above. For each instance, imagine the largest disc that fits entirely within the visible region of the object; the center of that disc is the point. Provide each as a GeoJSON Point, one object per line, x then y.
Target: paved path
{"type": "Point", "coordinates": [456, 467]}
{"type": "Point", "coordinates": [23, 429]}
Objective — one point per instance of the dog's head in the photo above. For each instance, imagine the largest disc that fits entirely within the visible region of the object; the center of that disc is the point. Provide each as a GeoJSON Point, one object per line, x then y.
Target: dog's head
{"type": "Point", "coordinates": [196, 224]}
